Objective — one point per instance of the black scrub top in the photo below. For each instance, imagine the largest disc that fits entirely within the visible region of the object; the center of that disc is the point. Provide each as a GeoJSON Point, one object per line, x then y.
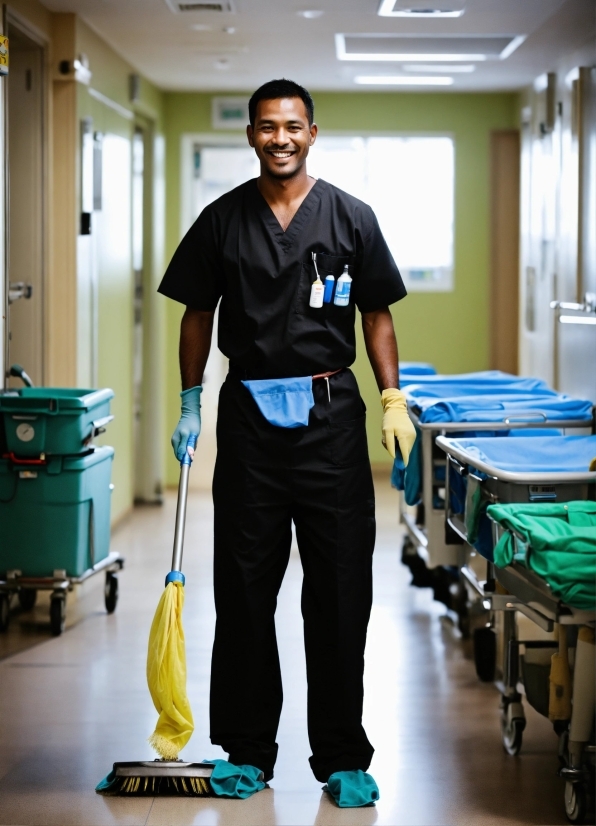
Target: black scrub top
{"type": "Point", "coordinates": [237, 251]}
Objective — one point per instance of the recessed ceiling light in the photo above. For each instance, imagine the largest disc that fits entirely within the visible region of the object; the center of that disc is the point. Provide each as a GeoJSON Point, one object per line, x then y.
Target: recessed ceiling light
{"type": "Point", "coordinates": [311, 14]}
{"type": "Point", "coordinates": [387, 9]}
{"type": "Point", "coordinates": [436, 67]}
{"type": "Point", "coordinates": [229, 29]}
{"type": "Point", "coordinates": [402, 80]}
{"type": "Point", "coordinates": [201, 27]}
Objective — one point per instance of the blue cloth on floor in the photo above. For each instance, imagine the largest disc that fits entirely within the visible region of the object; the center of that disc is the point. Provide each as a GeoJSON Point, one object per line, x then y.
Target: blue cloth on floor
{"type": "Point", "coordinates": [283, 402]}
{"type": "Point", "coordinates": [352, 789]}
{"type": "Point", "coordinates": [238, 782]}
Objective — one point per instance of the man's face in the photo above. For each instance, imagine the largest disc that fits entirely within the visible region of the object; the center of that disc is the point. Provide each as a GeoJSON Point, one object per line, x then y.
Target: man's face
{"type": "Point", "coordinates": [281, 136]}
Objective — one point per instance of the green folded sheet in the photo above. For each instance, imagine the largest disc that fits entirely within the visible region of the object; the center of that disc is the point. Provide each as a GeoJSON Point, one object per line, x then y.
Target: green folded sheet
{"type": "Point", "coordinates": [557, 541]}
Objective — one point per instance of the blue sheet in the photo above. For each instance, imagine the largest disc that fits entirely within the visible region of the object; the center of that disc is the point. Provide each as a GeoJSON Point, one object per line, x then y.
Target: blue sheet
{"type": "Point", "coordinates": [454, 390]}
{"type": "Point", "coordinates": [416, 368]}
{"type": "Point", "coordinates": [552, 454]}
{"type": "Point", "coordinates": [518, 407]}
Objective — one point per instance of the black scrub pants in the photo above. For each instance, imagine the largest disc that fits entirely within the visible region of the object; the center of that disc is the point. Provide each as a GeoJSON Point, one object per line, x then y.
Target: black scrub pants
{"type": "Point", "coordinates": [319, 477]}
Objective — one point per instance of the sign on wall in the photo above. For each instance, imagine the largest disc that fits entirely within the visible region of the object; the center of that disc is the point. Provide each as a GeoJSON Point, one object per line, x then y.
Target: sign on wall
{"type": "Point", "coordinates": [229, 112]}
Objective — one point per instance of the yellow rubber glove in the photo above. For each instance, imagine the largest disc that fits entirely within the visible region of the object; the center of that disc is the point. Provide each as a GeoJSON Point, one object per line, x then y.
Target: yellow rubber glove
{"type": "Point", "coordinates": [396, 423]}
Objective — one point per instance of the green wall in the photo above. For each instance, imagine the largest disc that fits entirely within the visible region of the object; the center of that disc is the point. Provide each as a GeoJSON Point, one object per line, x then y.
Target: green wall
{"type": "Point", "coordinates": [113, 251]}
{"type": "Point", "coordinates": [448, 329]}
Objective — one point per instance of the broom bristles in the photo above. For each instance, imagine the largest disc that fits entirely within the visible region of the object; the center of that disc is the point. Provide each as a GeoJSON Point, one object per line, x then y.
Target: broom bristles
{"type": "Point", "coordinates": [152, 786]}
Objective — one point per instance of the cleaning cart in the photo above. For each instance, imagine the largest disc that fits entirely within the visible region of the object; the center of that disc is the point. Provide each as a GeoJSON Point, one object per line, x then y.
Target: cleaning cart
{"type": "Point", "coordinates": [55, 492]}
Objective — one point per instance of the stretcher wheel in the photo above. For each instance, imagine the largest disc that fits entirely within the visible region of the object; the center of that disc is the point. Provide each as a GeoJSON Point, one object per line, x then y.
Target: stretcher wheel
{"type": "Point", "coordinates": [512, 731]}
{"type": "Point", "coordinates": [57, 614]}
{"type": "Point", "coordinates": [576, 802]}
{"type": "Point", "coordinates": [4, 611]}
{"type": "Point", "coordinates": [485, 653]}
{"type": "Point", "coordinates": [111, 592]}
{"type": "Point", "coordinates": [27, 598]}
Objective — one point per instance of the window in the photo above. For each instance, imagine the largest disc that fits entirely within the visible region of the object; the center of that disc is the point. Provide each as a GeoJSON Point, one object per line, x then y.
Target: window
{"type": "Point", "coordinates": [409, 183]}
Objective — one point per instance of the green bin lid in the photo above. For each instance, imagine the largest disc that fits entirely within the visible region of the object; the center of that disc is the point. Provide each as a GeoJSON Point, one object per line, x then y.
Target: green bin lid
{"type": "Point", "coordinates": [43, 399]}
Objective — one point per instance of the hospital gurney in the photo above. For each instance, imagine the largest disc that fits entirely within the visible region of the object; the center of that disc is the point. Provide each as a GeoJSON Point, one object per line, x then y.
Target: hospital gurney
{"type": "Point", "coordinates": [527, 581]}
{"type": "Point", "coordinates": [485, 471]}
{"type": "Point", "coordinates": [489, 402]}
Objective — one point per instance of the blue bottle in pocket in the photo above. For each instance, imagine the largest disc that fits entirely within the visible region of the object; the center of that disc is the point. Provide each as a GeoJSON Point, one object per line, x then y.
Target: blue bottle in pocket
{"type": "Point", "coordinates": [342, 291]}
{"type": "Point", "coordinates": [329, 285]}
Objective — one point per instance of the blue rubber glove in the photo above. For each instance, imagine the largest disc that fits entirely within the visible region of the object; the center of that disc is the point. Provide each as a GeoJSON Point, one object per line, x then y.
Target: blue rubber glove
{"type": "Point", "coordinates": [352, 789]}
{"type": "Point", "coordinates": [190, 420]}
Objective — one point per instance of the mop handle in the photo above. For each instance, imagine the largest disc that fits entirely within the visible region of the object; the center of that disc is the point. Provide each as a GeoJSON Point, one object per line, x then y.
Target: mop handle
{"type": "Point", "coordinates": [181, 506]}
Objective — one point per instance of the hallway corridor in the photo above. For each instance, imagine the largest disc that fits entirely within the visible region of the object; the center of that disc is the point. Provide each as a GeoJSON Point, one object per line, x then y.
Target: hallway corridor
{"type": "Point", "coordinates": [71, 706]}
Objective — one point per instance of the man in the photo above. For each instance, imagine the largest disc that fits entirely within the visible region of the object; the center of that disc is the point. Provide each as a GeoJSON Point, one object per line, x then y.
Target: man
{"type": "Point", "coordinates": [291, 434]}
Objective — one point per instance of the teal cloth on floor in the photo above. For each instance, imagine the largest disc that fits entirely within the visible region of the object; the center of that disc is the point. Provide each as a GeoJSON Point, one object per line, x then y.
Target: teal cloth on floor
{"type": "Point", "coordinates": [238, 782]}
{"type": "Point", "coordinates": [352, 789]}
{"type": "Point", "coordinates": [107, 783]}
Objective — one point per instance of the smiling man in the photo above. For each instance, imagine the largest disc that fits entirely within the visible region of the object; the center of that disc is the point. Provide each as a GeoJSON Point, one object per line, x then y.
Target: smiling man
{"type": "Point", "coordinates": [291, 435]}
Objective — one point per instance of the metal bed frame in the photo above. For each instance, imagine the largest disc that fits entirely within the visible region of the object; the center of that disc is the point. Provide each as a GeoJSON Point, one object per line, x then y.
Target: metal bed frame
{"type": "Point", "coordinates": [506, 591]}
{"type": "Point", "coordinates": [529, 594]}
{"type": "Point", "coordinates": [431, 545]}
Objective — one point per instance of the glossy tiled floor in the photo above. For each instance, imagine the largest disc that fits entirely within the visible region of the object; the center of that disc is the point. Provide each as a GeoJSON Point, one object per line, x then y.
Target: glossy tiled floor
{"type": "Point", "coordinates": [71, 706]}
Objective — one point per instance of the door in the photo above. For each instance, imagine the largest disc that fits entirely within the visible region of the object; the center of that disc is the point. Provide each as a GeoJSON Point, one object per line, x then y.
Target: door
{"type": "Point", "coordinates": [25, 327]}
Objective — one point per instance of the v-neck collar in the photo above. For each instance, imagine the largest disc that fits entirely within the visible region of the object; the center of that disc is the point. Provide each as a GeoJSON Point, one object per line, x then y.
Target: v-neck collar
{"type": "Point", "coordinates": [286, 237]}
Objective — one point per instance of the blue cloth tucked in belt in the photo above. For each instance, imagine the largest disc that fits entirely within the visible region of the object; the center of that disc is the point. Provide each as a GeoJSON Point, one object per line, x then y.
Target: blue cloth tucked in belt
{"type": "Point", "coordinates": [283, 402]}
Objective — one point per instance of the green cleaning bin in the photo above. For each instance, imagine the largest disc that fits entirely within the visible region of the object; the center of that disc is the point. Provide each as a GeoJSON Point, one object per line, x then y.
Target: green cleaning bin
{"type": "Point", "coordinates": [53, 420]}
{"type": "Point", "coordinates": [55, 515]}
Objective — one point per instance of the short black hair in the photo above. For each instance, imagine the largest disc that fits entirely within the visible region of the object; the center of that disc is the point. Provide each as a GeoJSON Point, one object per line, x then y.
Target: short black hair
{"type": "Point", "coordinates": [282, 88]}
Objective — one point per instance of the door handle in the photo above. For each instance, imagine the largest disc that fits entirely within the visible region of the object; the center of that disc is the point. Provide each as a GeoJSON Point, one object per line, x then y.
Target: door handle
{"type": "Point", "coordinates": [18, 289]}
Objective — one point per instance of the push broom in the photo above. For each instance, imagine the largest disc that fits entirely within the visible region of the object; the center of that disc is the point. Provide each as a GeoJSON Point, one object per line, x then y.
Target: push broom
{"type": "Point", "coordinates": [166, 677]}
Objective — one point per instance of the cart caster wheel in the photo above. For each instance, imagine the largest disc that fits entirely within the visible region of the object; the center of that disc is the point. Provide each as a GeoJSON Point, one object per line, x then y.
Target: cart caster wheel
{"type": "Point", "coordinates": [512, 728]}
{"type": "Point", "coordinates": [576, 802]}
{"type": "Point", "coordinates": [111, 592]}
{"type": "Point", "coordinates": [27, 598]}
{"type": "Point", "coordinates": [57, 615]}
{"type": "Point", "coordinates": [513, 736]}
{"type": "Point", "coordinates": [4, 612]}
{"type": "Point", "coordinates": [485, 653]}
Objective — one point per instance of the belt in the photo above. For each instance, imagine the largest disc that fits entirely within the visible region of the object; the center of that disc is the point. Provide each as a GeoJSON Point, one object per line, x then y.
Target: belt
{"type": "Point", "coordinates": [246, 375]}
{"type": "Point", "coordinates": [328, 374]}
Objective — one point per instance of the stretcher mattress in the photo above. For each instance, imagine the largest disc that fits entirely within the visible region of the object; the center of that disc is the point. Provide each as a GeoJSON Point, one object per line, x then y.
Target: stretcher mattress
{"type": "Point", "coordinates": [530, 408]}
{"type": "Point", "coordinates": [551, 454]}
{"type": "Point", "coordinates": [556, 541]}
{"type": "Point", "coordinates": [484, 383]}
{"type": "Point", "coordinates": [416, 368]}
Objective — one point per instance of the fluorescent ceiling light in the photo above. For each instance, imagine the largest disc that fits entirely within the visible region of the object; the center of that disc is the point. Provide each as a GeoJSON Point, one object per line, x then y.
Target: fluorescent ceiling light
{"type": "Point", "coordinates": [517, 41]}
{"type": "Point", "coordinates": [311, 14]}
{"type": "Point", "coordinates": [424, 48]}
{"type": "Point", "coordinates": [422, 67]}
{"type": "Point", "coordinates": [387, 9]}
{"type": "Point", "coordinates": [402, 80]}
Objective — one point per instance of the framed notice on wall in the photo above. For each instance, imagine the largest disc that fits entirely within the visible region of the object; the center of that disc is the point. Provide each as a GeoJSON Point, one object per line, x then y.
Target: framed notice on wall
{"type": "Point", "coordinates": [229, 112]}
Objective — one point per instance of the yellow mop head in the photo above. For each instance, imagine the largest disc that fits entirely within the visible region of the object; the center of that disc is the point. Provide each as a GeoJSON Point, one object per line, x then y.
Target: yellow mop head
{"type": "Point", "coordinates": [166, 675]}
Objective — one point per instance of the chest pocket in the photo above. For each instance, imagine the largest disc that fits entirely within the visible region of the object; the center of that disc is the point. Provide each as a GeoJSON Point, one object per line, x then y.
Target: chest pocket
{"type": "Point", "coordinates": [327, 265]}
